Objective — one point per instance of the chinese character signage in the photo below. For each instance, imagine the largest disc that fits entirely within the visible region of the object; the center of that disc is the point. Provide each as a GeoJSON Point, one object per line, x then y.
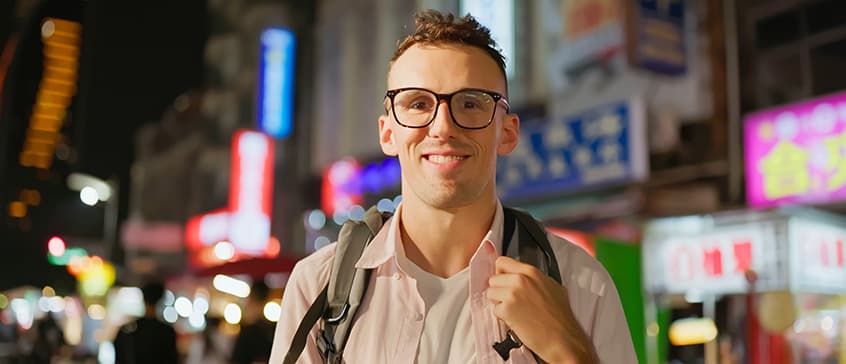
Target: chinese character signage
{"type": "Point", "coordinates": [818, 259]}
{"type": "Point", "coordinates": [797, 153]}
{"type": "Point", "coordinates": [655, 35]}
{"type": "Point", "coordinates": [709, 262]}
{"type": "Point", "coordinates": [599, 147]}
{"type": "Point", "coordinates": [276, 82]}
{"type": "Point", "coordinates": [712, 262]}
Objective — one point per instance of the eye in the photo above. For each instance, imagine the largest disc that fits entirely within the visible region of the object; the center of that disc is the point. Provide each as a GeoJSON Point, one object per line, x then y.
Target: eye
{"type": "Point", "coordinates": [468, 105]}
{"type": "Point", "coordinates": [416, 101]}
{"type": "Point", "coordinates": [420, 105]}
{"type": "Point", "coordinates": [472, 101]}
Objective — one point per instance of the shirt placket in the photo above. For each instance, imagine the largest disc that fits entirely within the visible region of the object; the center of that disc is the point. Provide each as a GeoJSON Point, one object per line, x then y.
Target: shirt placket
{"type": "Point", "coordinates": [485, 325]}
{"type": "Point", "coordinates": [409, 298]}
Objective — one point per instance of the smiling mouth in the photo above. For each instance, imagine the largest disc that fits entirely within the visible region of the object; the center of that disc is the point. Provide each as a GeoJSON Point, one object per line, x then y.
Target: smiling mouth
{"type": "Point", "coordinates": [435, 158]}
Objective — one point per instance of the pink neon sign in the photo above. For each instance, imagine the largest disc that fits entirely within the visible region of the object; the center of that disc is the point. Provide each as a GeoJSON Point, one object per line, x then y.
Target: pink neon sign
{"type": "Point", "coordinates": [797, 153]}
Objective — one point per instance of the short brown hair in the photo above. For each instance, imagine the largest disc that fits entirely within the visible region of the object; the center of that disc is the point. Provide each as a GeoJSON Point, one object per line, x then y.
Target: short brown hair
{"type": "Point", "coordinates": [432, 26]}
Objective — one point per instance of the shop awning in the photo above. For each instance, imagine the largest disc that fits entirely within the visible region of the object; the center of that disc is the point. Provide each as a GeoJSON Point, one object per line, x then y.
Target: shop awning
{"type": "Point", "coordinates": [256, 267]}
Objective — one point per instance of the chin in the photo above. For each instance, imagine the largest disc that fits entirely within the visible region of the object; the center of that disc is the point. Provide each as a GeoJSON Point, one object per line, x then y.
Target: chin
{"type": "Point", "coordinates": [450, 198]}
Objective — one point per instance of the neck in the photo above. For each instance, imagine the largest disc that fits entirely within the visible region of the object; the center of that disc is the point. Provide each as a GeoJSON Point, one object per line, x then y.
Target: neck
{"type": "Point", "coordinates": [442, 241]}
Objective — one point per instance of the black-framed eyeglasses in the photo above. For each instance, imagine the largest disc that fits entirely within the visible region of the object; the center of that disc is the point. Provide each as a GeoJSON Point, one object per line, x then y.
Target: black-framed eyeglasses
{"type": "Point", "coordinates": [470, 108]}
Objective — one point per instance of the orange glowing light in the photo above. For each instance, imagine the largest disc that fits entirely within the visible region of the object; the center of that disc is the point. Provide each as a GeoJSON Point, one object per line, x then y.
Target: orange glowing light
{"type": "Point", "coordinates": [17, 209]}
{"type": "Point", "coordinates": [273, 247]}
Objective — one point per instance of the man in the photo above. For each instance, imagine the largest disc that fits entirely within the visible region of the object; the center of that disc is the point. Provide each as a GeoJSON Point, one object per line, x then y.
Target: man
{"type": "Point", "coordinates": [441, 291]}
{"type": "Point", "coordinates": [147, 339]}
{"type": "Point", "coordinates": [256, 336]}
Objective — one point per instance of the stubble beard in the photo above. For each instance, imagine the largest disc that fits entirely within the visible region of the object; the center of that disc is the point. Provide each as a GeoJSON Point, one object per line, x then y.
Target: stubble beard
{"type": "Point", "coordinates": [448, 195]}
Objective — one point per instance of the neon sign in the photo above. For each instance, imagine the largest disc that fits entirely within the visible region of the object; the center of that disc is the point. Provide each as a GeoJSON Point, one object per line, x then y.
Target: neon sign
{"type": "Point", "coordinates": [346, 182]}
{"type": "Point", "coordinates": [797, 153]}
{"type": "Point", "coordinates": [276, 82]}
{"type": "Point", "coordinates": [246, 221]}
{"type": "Point", "coordinates": [58, 86]}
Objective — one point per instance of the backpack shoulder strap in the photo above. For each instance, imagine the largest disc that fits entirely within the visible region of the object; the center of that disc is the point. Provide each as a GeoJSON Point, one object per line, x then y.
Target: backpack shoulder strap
{"type": "Point", "coordinates": [314, 313]}
{"type": "Point", "coordinates": [339, 300]}
{"type": "Point", "coordinates": [539, 252]}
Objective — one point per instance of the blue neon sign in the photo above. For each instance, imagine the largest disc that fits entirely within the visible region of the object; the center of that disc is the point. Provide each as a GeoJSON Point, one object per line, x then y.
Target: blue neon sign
{"type": "Point", "coordinates": [276, 82]}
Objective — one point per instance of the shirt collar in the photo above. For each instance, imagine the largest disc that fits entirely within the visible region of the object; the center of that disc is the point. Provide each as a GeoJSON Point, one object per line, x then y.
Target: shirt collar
{"type": "Point", "coordinates": [386, 244]}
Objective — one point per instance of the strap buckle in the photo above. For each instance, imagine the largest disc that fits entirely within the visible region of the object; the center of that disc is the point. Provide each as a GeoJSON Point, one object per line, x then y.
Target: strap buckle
{"type": "Point", "coordinates": [504, 347]}
{"type": "Point", "coordinates": [341, 315]}
{"type": "Point", "coordinates": [325, 345]}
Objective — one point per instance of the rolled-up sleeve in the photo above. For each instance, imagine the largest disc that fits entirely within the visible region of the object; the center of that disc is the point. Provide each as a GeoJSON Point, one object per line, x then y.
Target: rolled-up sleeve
{"type": "Point", "coordinates": [595, 302]}
{"type": "Point", "coordinates": [611, 336]}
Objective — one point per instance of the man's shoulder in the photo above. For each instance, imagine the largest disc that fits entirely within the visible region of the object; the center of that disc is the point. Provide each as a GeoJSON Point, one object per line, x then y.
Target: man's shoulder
{"type": "Point", "coordinates": [151, 324]}
{"type": "Point", "coordinates": [319, 260]}
{"type": "Point", "coordinates": [578, 268]}
{"type": "Point", "coordinates": [315, 268]}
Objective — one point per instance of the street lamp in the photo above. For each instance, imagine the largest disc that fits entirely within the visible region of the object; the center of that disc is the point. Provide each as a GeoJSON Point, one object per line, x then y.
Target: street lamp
{"type": "Point", "coordinates": [85, 182]}
{"type": "Point", "coordinates": [93, 190]}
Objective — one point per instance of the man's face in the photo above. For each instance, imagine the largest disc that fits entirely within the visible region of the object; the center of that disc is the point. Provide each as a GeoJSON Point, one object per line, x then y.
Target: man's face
{"type": "Point", "coordinates": [444, 165]}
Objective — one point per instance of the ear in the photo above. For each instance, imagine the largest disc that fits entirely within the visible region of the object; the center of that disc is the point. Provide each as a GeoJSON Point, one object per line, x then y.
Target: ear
{"type": "Point", "coordinates": [510, 134]}
{"type": "Point", "coordinates": [386, 136]}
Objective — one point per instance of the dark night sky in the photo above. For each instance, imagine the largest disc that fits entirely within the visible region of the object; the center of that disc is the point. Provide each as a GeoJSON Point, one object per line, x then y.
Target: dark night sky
{"type": "Point", "coordinates": [136, 58]}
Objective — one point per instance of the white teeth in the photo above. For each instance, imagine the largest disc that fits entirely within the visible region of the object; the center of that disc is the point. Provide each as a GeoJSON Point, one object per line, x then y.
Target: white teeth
{"type": "Point", "coordinates": [445, 158]}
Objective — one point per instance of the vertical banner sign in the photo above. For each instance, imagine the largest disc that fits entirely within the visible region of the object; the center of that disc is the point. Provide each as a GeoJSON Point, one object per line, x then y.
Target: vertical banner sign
{"type": "Point", "coordinates": [250, 192]}
{"type": "Point", "coordinates": [276, 82]}
{"type": "Point", "coordinates": [655, 37]}
{"type": "Point", "coordinates": [61, 39]}
{"type": "Point", "coordinates": [797, 153]}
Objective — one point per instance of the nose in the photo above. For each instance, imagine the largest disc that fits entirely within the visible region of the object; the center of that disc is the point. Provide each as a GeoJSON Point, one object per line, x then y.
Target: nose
{"type": "Point", "coordinates": [442, 126]}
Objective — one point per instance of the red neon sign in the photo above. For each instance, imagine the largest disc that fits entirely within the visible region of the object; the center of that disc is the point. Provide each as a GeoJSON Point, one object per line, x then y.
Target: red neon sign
{"type": "Point", "coordinates": [250, 193]}
{"type": "Point", "coordinates": [338, 192]}
{"type": "Point", "coordinates": [246, 221]}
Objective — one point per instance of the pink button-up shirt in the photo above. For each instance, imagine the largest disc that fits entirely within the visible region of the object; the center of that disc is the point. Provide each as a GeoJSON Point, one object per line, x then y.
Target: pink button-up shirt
{"type": "Point", "coordinates": [389, 322]}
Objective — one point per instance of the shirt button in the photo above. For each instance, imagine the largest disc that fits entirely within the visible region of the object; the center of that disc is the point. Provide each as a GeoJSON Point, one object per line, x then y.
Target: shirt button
{"type": "Point", "coordinates": [416, 316]}
{"type": "Point", "coordinates": [396, 276]}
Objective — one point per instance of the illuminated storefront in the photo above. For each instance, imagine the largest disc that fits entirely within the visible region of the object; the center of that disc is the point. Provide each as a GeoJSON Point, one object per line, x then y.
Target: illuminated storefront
{"type": "Point", "coordinates": [785, 267]}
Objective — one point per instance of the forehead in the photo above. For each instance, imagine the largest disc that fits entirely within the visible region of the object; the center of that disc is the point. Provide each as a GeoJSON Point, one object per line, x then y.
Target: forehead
{"type": "Point", "coordinates": [445, 68]}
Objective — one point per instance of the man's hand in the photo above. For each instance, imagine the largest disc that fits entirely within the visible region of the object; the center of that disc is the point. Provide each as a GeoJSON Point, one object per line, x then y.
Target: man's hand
{"type": "Point", "coordinates": [537, 309]}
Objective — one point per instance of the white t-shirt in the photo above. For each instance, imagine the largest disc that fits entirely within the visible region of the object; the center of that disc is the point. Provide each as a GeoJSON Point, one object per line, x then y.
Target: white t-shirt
{"type": "Point", "coordinates": [447, 325]}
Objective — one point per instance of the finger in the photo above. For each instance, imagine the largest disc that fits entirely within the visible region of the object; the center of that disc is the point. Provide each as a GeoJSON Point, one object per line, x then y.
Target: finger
{"type": "Point", "coordinates": [506, 280]}
{"type": "Point", "coordinates": [500, 295]}
{"type": "Point", "coordinates": [510, 265]}
{"type": "Point", "coordinates": [500, 312]}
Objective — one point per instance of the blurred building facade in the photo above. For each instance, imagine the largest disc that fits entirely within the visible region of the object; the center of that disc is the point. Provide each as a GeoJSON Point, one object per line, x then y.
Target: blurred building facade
{"type": "Point", "coordinates": [182, 166]}
{"type": "Point", "coordinates": [641, 104]}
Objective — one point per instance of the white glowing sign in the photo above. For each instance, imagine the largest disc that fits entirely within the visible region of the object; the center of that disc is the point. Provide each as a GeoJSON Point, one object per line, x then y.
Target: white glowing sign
{"type": "Point", "coordinates": [818, 256]}
{"type": "Point", "coordinates": [714, 262]}
{"type": "Point", "coordinates": [498, 16]}
{"type": "Point", "coordinates": [249, 228]}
